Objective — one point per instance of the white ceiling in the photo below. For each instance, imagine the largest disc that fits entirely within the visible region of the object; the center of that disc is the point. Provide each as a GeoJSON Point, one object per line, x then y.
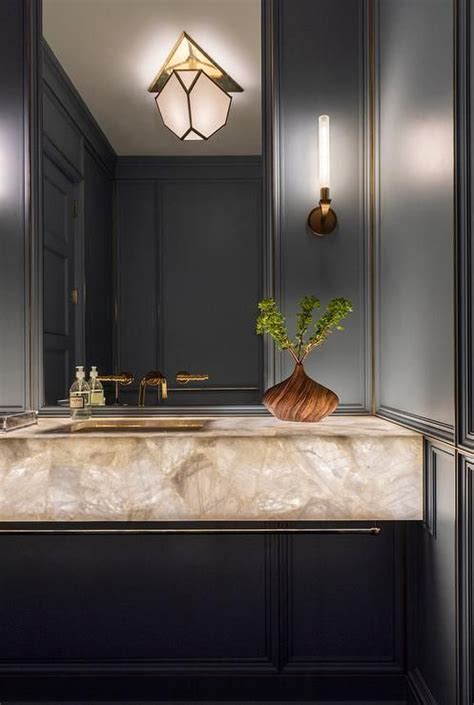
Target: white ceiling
{"type": "Point", "coordinates": [112, 50]}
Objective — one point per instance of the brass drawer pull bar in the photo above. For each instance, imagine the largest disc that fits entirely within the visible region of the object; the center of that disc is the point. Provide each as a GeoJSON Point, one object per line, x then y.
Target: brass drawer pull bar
{"type": "Point", "coordinates": [373, 531]}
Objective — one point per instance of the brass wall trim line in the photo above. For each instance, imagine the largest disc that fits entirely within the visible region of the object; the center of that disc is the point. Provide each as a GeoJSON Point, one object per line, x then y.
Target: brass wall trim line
{"type": "Point", "coordinates": [213, 389]}
{"type": "Point", "coordinates": [373, 531]}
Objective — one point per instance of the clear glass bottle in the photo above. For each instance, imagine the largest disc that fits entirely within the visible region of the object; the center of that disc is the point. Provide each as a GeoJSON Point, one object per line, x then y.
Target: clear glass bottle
{"type": "Point", "coordinates": [96, 388]}
{"type": "Point", "coordinates": [79, 396]}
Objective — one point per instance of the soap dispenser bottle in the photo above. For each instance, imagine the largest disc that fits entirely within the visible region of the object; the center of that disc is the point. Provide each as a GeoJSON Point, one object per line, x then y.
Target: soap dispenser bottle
{"type": "Point", "coordinates": [79, 396]}
{"type": "Point", "coordinates": [96, 388]}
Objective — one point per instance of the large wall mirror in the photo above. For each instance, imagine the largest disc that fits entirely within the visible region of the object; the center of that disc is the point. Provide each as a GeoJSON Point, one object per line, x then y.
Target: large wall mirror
{"type": "Point", "coordinates": [153, 236]}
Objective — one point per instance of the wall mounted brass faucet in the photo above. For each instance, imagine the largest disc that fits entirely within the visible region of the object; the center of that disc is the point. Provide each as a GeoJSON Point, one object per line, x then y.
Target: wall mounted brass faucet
{"type": "Point", "coordinates": [152, 379]}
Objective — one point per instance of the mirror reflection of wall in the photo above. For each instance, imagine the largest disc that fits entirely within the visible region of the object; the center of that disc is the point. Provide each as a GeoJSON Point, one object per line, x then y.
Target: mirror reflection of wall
{"type": "Point", "coordinates": [152, 245]}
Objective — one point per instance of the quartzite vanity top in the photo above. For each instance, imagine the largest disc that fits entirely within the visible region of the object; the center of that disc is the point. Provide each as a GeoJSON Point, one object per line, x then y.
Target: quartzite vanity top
{"type": "Point", "coordinates": [344, 468]}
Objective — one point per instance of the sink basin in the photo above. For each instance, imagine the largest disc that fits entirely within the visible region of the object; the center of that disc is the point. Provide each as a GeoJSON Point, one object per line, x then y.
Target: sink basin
{"type": "Point", "coordinates": [149, 425]}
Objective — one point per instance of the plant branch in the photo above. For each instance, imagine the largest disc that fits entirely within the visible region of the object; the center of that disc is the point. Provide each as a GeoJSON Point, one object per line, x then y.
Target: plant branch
{"type": "Point", "coordinates": [272, 322]}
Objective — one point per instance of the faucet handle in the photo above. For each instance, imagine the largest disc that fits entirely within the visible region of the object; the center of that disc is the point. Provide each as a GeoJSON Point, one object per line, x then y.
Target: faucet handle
{"type": "Point", "coordinates": [164, 388]}
{"type": "Point", "coordinates": [185, 377]}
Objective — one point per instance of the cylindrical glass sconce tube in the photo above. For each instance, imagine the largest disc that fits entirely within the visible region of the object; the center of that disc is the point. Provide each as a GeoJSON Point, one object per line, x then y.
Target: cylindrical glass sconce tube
{"type": "Point", "coordinates": [324, 171]}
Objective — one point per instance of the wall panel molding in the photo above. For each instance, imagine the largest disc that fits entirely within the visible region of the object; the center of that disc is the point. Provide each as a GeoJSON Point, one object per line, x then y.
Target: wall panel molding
{"type": "Point", "coordinates": [430, 489]}
{"type": "Point", "coordinates": [428, 427]}
{"type": "Point", "coordinates": [158, 203]}
{"type": "Point", "coordinates": [59, 85]}
{"type": "Point", "coordinates": [419, 690]}
{"type": "Point", "coordinates": [415, 253]}
{"type": "Point", "coordinates": [464, 194]}
{"type": "Point", "coordinates": [433, 666]}
{"type": "Point", "coordinates": [465, 577]}
{"type": "Point", "coordinates": [16, 202]}
{"type": "Point", "coordinates": [312, 79]}
{"type": "Point", "coordinates": [192, 168]}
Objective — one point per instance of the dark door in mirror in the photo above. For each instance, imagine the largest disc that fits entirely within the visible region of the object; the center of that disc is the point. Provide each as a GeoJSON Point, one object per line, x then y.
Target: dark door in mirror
{"type": "Point", "coordinates": [61, 292]}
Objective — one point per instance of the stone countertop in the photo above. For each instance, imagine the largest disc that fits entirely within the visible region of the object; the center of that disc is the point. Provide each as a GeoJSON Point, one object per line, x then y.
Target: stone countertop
{"type": "Point", "coordinates": [234, 469]}
{"type": "Point", "coordinates": [242, 426]}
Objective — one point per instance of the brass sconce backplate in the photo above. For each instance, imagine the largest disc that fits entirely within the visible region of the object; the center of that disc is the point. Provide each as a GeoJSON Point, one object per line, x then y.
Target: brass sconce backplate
{"type": "Point", "coordinates": [320, 222]}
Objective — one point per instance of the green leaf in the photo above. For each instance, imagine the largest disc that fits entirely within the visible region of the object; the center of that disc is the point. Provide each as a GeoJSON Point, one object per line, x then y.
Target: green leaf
{"type": "Point", "coordinates": [336, 310]}
{"type": "Point", "coordinates": [304, 319]}
{"type": "Point", "coordinates": [271, 321]}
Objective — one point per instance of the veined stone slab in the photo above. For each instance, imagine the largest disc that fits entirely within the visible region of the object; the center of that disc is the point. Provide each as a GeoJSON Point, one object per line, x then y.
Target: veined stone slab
{"type": "Point", "coordinates": [344, 468]}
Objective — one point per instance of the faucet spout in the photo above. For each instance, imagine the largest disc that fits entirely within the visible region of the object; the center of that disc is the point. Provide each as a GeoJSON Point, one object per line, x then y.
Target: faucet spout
{"type": "Point", "coordinates": [152, 379]}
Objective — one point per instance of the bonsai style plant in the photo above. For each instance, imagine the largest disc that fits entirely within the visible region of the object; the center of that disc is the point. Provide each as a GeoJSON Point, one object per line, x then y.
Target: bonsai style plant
{"type": "Point", "coordinates": [299, 398]}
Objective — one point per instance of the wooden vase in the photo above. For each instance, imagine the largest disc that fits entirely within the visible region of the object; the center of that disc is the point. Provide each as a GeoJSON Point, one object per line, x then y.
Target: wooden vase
{"type": "Point", "coordinates": [300, 398]}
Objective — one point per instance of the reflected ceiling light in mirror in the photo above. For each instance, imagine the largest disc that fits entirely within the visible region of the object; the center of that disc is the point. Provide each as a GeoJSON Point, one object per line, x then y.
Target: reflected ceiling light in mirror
{"type": "Point", "coordinates": [322, 219]}
{"type": "Point", "coordinates": [193, 92]}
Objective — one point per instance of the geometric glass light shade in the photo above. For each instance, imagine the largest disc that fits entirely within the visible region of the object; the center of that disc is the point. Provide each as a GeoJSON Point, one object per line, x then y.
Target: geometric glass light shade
{"type": "Point", "coordinates": [193, 92]}
{"type": "Point", "coordinates": [192, 105]}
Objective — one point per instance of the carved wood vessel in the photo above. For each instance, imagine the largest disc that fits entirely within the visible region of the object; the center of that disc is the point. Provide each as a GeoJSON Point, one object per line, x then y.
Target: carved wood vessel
{"type": "Point", "coordinates": [300, 398]}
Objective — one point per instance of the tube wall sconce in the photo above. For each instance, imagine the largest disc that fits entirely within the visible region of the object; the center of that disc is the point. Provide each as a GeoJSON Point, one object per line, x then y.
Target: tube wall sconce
{"type": "Point", "coordinates": [322, 219]}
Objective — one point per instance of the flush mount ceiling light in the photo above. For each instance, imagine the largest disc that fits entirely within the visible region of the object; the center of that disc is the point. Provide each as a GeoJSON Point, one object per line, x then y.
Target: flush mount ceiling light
{"type": "Point", "coordinates": [193, 92]}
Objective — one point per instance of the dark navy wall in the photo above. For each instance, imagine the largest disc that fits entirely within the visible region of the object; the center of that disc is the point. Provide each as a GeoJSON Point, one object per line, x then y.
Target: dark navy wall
{"type": "Point", "coordinates": [190, 273]}
{"type": "Point", "coordinates": [415, 321]}
{"type": "Point", "coordinates": [98, 263]}
{"type": "Point", "coordinates": [14, 234]}
{"type": "Point", "coordinates": [415, 299]}
{"type": "Point", "coordinates": [321, 70]}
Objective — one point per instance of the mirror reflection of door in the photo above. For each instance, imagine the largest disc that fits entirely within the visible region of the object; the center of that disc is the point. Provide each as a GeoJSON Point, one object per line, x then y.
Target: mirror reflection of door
{"type": "Point", "coordinates": [60, 291]}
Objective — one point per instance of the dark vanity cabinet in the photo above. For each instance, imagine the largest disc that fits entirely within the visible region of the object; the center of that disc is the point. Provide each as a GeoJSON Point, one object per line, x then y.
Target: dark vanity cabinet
{"type": "Point", "coordinates": [201, 617]}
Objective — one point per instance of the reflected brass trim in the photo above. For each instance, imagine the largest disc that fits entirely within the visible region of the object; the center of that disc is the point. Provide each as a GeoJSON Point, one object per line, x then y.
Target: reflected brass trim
{"type": "Point", "coordinates": [124, 378]}
{"type": "Point", "coordinates": [372, 531]}
{"type": "Point", "coordinates": [183, 388]}
{"type": "Point", "coordinates": [186, 377]}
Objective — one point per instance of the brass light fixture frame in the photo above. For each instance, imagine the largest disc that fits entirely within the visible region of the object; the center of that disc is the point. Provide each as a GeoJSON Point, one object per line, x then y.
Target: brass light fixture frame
{"type": "Point", "coordinates": [322, 220]}
{"type": "Point", "coordinates": [197, 60]}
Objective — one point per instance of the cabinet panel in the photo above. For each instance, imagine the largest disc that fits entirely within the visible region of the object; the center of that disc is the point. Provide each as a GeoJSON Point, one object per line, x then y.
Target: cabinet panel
{"type": "Point", "coordinates": [177, 602]}
{"type": "Point", "coordinates": [344, 602]}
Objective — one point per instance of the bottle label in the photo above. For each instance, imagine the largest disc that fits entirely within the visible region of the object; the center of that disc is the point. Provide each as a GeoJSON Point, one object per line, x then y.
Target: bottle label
{"type": "Point", "coordinates": [77, 402]}
{"type": "Point", "coordinates": [97, 397]}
